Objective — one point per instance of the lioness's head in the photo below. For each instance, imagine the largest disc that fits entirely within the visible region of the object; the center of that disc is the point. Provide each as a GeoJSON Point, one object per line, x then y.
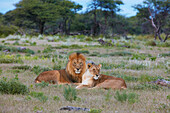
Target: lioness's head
{"type": "Point", "coordinates": [77, 63]}
{"type": "Point", "coordinates": [94, 70]}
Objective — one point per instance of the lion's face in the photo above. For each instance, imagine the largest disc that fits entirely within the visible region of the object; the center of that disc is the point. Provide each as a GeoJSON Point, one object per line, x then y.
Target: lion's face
{"type": "Point", "coordinates": [94, 70]}
{"type": "Point", "coordinates": [77, 65]}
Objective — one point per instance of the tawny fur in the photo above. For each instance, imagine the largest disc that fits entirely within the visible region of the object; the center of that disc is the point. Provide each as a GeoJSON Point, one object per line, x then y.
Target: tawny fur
{"type": "Point", "coordinates": [68, 75]}
{"type": "Point", "coordinates": [103, 81]}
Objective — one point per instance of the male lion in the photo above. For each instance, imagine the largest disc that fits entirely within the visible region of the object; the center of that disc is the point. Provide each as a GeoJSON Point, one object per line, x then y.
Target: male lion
{"type": "Point", "coordinates": [75, 68]}
{"type": "Point", "coordinates": [93, 78]}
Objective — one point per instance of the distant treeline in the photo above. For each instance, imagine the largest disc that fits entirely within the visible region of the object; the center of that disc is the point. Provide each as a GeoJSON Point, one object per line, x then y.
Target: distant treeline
{"type": "Point", "coordinates": [101, 18]}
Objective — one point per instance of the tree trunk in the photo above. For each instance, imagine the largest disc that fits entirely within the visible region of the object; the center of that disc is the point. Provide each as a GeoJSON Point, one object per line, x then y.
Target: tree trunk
{"type": "Point", "coordinates": [41, 27]}
{"type": "Point", "coordinates": [167, 36]}
{"type": "Point", "coordinates": [65, 25]}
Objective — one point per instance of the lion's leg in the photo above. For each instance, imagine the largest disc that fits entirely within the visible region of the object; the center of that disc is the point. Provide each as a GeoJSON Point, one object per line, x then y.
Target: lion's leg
{"type": "Point", "coordinates": [82, 86]}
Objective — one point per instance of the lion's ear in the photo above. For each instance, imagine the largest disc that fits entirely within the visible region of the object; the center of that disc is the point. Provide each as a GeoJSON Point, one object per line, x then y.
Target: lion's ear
{"type": "Point", "coordinates": [100, 66]}
{"type": "Point", "coordinates": [89, 65]}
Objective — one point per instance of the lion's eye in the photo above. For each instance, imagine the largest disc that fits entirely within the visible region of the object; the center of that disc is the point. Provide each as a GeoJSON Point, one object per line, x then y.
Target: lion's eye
{"type": "Point", "coordinates": [74, 63]}
{"type": "Point", "coordinates": [81, 63]}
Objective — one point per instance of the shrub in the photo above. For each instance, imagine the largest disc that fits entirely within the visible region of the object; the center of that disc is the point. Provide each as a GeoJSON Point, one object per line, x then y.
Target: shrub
{"type": "Point", "coordinates": [70, 93]}
{"type": "Point", "coordinates": [12, 86]}
{"type": "Point", "coordinates": [6, 30]}
{"type": "Point", "coordinates": [39, 95]}
{"type": "Point", "coordinates": [130, 97]}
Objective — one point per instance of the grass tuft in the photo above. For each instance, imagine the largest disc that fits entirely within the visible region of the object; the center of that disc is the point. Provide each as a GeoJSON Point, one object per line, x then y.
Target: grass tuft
{"type": "Point", "coordinates": [70, 93]}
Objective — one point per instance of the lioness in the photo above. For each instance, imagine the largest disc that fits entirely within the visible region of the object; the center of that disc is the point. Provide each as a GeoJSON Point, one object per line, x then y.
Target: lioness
{"type": "Point", "coordinates": [75, 68]}
{"type": "Point", "coordinates": [93, 78]}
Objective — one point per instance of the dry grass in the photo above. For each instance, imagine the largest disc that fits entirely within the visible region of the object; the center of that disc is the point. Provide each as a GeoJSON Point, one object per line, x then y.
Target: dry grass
{"type": "Point", "coordinates": [149, 100]}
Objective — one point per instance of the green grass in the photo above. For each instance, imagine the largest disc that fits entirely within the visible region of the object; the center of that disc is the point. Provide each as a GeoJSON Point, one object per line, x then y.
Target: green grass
{"type": "Point", "coordinates": [130, 97]}
{"type": "Point", "coordinates": [70, 93]}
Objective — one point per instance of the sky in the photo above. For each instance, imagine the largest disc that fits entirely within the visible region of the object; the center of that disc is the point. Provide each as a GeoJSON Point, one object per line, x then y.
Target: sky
{"type": "Point", "coordinates": [126, 9]}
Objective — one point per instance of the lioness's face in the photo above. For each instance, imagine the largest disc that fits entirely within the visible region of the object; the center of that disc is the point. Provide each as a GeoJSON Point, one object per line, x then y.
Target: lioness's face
{"type": "Point", "coordinates": [77, 65]}
{"type": "Point", "coordinates": [94, 70]}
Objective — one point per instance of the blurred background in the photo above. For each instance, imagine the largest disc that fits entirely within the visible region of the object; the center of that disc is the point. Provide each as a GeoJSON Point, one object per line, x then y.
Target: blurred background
{"type": "Point", "coordinates": [107, 18]}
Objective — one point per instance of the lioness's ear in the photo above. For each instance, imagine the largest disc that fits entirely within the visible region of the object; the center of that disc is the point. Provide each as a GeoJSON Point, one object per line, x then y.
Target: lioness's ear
{"type": "Point", "coordinates": [100, 66]}
{"type": "Point", "coordinates": [89, 65]}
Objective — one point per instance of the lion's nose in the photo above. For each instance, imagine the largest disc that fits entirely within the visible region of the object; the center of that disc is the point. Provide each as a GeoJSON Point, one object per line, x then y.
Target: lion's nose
{"type": "Point", "coordinates": [97, 75]}
{"type": "Point", "coordinates": [77, 69]}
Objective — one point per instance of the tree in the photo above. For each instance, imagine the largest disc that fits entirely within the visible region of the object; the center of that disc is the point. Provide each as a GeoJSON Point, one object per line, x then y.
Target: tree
{"type": "Point", "coordinates": [157, 13]}
{"type": "Point", "coordinates": [106, 7]}
{"type": "Point", "coordinates": [67, 12]}
{"type": "Point", "coordinates": [36, 11]}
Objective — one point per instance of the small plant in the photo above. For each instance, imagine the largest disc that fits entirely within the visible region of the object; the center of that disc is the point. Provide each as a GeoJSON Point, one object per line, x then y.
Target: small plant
{"type": "Point", "coordinates": [33, 43]}
{"type": "Point", "coordinates": [56, 98]}
{"type": "Point", "coordinates": [39, 95]}
{"type": "Point", "coordinates": [42, 84]}
{"type": "Point", "coordinates": [48, 49]}
{"type": "Point", "coordinates": [108, 96]}
{"type": "Point", "coordinates": [95, 111]}
{"type": "Point", "coordinates": [0, 71]}
{"type": "Point", "coordinates": [139, 56]}
{"type": "Point", "coordinates": [168, 97]}
{"type": "Point", "coordinates": [130, 97]}
{"type": "Point", "coordinates": [70, 93]}
{"type": "Point", "coordinates": [12, 86]}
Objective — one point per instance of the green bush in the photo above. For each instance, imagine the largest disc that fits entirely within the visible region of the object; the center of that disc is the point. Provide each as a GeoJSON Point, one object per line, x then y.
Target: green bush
{"type": "Point", "coordinates": [39, 95]}
{"type": "Point", "coordinates": [12, 86]}
{"type": "Point", "coordinates": [7, 30]}
{"type": "Point", "coordinates": [70, 93]}
{"type": "Point", "coordinates": [130, 97]}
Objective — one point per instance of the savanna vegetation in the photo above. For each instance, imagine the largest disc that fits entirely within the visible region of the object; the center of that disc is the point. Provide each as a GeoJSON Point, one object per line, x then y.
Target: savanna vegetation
{"type": "Point", "coordinates": [39, 35]}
